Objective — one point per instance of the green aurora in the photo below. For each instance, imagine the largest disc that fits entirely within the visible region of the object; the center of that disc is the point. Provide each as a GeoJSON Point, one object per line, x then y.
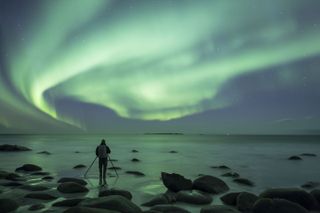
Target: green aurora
{"type": "Point", "coordinates": [145, 60]}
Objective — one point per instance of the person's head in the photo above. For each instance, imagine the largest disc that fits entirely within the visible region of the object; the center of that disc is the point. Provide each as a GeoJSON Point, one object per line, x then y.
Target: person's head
{"type": "Point", "coordinates": [103, 142]}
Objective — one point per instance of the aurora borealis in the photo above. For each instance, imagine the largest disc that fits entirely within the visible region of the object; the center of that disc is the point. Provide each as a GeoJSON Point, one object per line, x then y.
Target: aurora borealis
{"type": "Point", "coordinates": [223, 66]}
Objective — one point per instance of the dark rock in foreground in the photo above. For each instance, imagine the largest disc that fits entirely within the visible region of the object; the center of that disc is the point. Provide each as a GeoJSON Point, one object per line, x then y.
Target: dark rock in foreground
{"type": "Point", "coordinates": [68, 202]}
{"type": "Point", "coordinates": [36, 207]}
{"type": "Point", "coordinates": [219, 209]}
{"type": "Point", "coordinates": [81, 209]}
{"type": "Point", "coordinates": [193, 197]}
{"type": "Point", "coordinates": [267, 205]}
{"type": "Point", "coordinates": [75, 180]}
{"type": "Point", "coordinates": [294, 158]}
{"type": "Point", "coordinates": [175, 182]}
{"type": "Point", "coordinates": [13, 148]}
{"type": "Point", "coordinates": [79, 166]}
{"type": "Point", "coordinates": [160, 199]}
{"type": "Point", "coordinates": [71, 187]}
{"type": "Point", "coordinates": [40, 196]}
{"type": "Point", "coordinates": [109, 192]}
{"type": "Point", "coordinates": [243, 181]}
{"type": "Point", "coordinates": [29, 168]}
{"type": "Point", "coordinates": [169, 209]}
{"type": "Point", "coordinates": [294, 195]}
{"type": "Point", "coordinates": [8, 205]}
{"type": "Point", "coordinates": [113, 202]}
{"type": "Point", "coordinates": [246, 201]}
{"type": "Point", "coordinates": [316, 194]}
{"type": "Point", "coordinates": [230, 198]}
{"type": "Point", "coordinates": [136, 173]}
{"type": "Point", "coordinates": [210, 184]}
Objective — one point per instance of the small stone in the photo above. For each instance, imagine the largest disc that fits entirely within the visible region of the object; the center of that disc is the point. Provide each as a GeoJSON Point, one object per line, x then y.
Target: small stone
{"type": "Point", "coordinates": [230, 198]}
{"type": "Point", "coordinates": [13, 148]}
{"type": "Point", "coordinates": [71, 187]}
{"type": "Point", "coordinates": [44, 153]}
{"type": "Point", "coordinates": [243, 181]}
{"type": "Point", "coordinates": [231, 174]}
{"type": "Point", "coordinates": [210, 184]}
{"type": "Point", "coordinates": [173, 152]}
{"type": "Point", "coordinates": [136, 173]}
{"type": "Point", "coordinates": [29, 168]}
{"type": "Point", "coordinates": [135, 160]}
{"type": "Point", "coordinates": [309, 155]}
{"type": "Point", "coordinates": [79, 166]}
{"type": "Point", "coordinates": [294, 158]}
{"type": "Point", "coordinates": [245, 201]}
{"type": "Point", "coordinates": [134, 150]}
{"type": "Point", "coordinates": [220, 167]}
{"type": "Point", "coordinates": [75, 180]}
{"type": "Point", "coordinates": [47, 178]}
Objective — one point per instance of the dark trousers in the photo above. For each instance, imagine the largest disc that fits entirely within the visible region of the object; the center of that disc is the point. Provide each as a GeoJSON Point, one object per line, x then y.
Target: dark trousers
{"type": "Point", "coordinates": [103, 163]}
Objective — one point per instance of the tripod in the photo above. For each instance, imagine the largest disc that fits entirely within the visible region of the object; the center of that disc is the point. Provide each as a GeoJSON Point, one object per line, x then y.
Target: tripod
{"type": "Point", "coordinates": [115, 170]}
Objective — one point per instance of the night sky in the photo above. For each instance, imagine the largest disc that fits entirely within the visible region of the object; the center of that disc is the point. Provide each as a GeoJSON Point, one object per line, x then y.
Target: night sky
{"type": "Point", "coordinates": [134, 66]}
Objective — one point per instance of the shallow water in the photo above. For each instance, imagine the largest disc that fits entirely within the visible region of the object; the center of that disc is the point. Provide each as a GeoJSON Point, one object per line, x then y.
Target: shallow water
{"type": "Point", "coordinates": [262, 159]}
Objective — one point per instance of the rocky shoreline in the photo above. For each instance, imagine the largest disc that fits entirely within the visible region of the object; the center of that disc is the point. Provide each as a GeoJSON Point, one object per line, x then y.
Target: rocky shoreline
{"type": "Point", "coordinates": [30, 189]}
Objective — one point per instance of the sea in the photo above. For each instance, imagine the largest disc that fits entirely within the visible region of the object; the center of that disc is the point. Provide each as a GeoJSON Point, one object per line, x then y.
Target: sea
{"type": "Point", "coordinates": [261, 159]}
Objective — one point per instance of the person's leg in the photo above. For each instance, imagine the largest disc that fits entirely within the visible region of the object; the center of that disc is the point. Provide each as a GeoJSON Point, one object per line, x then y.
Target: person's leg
{"type": "Point", "coordinates": [100, 171]}
{"type": "Point", "coordinates": [105, 162]}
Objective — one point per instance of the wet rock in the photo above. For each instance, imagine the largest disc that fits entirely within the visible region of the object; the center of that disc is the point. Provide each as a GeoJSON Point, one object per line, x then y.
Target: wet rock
{"type": "Point", "coordinates": [294, 195]}
{"type": "Point", "coordinates": [75, 180]}
{"type": "Point", "coordinates": [34, 187]}
{"type": "Point", "coordinates": [245, 201]}
{"type": "Point", "coordinates": [135, 160]}
{"type": "Point", "coordinates": [243, 181]}
{"type": "Point", "coordinates": [175, 182]}
{"type": "Point", "coordinates": [309, 155]}
{"type": "Point", "coordinates": [267, 205]}
{"type": "Point", "coordinates": [169, 209]}
{"type": "Point", "coordinates": [173, 152]}
{"type": "Point", "coordinates": [8, 205]}
{"type": "Point", "coordinates": [40, 196]}
{"type": "Point", "coordinates": [310, 185]}
{"type": "Point", "coordinates": [82, 209]}
{"type": "Point", "coordinates": [109, 192]}
{"type": "Point", "coordinates": [193, 197]}
{"type": "Point", "coordinates": [71, 187]}
{"type": "Point", "coordinates": [220, 167]}
{"type": "Point", "coordinates": [294, 158]}
{"type": "Point", "coordinates": [79, 166]}
{"type": "Point", "coordinates": [136, 173]}
{"type": "Point", "coordinates": [112, 202]}
{"type": "Point", "coordinates": [210, 184]}
{"type": "Point", "coordinates": [44, 153]}
{"type": "Point", "coordinates": [219, 209]}
{"type": "Point", "coordinates": [40, 173]}
{"type": "Point", "coordinates": [230, 198]}
{"type": "Point", "coordinates": [160, 199]}
{"type": "Point", "coordinates": [13, 148]}
{"type": "Point", "coordinates": [36, 207]}
{"type": "Point", "coordinates": [134, 151]}
{"type": "Point", "coordinates": [231, 174]}
{"type": "Point", "coordinates": [316, 194]}
{"type": "Point", "coordinates": [29, 168]}
{"type": "Point", "coordinates": [68, 202]}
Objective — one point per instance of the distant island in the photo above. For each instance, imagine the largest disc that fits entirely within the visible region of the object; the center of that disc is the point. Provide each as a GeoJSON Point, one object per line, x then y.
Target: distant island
{"type": "Point", "coordinates": [163, 133]}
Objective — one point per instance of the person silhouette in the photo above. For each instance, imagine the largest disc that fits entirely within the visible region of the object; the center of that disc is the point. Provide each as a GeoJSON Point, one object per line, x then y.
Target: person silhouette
{"type": "Point", "coordinates": [102, 152]}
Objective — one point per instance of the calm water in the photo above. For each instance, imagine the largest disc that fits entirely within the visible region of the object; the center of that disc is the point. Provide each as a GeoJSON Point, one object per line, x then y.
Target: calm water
{"type": "Point", "coordinates": [262, 159]}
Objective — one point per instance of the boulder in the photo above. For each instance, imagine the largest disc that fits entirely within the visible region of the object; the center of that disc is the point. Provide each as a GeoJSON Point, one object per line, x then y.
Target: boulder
{"type": "Point", "coordinates": [243, 181]}
{"type": "Point", "coordinates": [40, 196]}
{"type": "Point", "coordinates": [34, 187]}
{"type": "Point", "coordinates": [44, 153]}
{"type": "Point", "coordinates": [169, 209]}
{"type": "Point", "coordinates": [36, 207]}
{"type": "Point", "coordinates": [71, 187]}
{"type": "Point", "coordinates": [75, 180]}
{"type": "Point", "coordinates": [231, 174]}
{"type": "Point", "coordinates": [294, 195]}
{"type": "Point", "coordinates": [28, 168]}
{"type": "Point", "coordinates": [175, 182]}
{"type": "Point", "coordinates": [136, 173]}
{"type": "Point", "coordinates": [316, 194]}
{"type": "Point", "coordinates": [13, 148]}
{"type": "Point", "coordinates": [158, 200]}
{"type": "Point", "coordinates": [210, 184]}
{"type": "Point", "coordinates": [230, 198]}
{"type": "Point", "coordinates": [135, 160]}
{"type": "Point", "coordinates": [109, 192]}
{"type": "Point", "coordinates": [82, 209]}
{"type": "Point", "coordinates": [267, 205]}
{"type": "Point", "coordinates": [68, 202]}
{"type": "Point", "coordinates": [112, 202]}
{"type": "Point", "coordinates": [245, 201]}
{"type": "Point", "coordinates": [8, 205]}
{"type": "Point", "coordinates": [219, 209]}
{"type": "Point", "coordinates": [294, 157]}
{"type": "Point", "coordinates": [79, 166]}
{"type": "Point", "coordinates": [220, 167]}
{"type": "Point", "coordinates": [194, 197]}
